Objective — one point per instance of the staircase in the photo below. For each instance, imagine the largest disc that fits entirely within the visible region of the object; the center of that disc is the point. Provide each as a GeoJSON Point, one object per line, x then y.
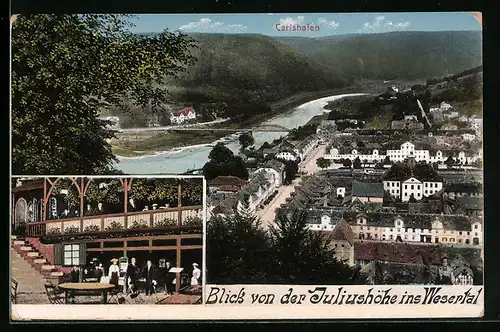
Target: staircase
{"type": "Point", "coordinates": [35, 264]}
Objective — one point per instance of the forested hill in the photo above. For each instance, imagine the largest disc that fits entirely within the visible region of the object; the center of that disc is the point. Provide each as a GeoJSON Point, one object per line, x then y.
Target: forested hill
{"type": "Point", "coordinates": [394, 55]}
{"type": "Point", "coordinates": [230, 64]}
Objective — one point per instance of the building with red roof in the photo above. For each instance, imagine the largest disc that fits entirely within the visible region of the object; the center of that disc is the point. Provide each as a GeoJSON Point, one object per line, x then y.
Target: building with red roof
{"type": "Point", "coordinates": [188, 113]}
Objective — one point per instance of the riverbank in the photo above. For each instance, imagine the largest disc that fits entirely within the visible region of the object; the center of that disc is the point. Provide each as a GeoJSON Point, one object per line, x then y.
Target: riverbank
{"type": "Point", "coordinates": [136, 144]}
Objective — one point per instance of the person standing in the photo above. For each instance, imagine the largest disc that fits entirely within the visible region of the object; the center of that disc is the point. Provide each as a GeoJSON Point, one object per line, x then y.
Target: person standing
{"type": "Point", "coordinates": [196, 275]}
{"type": "Point", "coordinates": [169, 278]}
{"type": "Point", "coordinates": [150, 275]}
{"type": "Point", "coordinates": [75, 274]}
{"type": "Point", "coordinates": [114, 272]}
{"type": "Point", "coordinates": [132, 275]}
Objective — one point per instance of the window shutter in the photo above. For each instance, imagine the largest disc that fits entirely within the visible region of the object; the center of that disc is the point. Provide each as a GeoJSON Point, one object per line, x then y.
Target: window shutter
{"type": "Point", "coordinates": [83, 254]}
{"type": "Point", "coordinates": [58, 254]}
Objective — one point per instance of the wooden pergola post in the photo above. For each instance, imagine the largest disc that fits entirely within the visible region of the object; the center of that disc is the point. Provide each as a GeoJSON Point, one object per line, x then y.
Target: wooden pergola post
{"type": "Point", "coordinates": [179, 204]}
{"type": "Point", "coordinates": [126, 185]}
{"type": "Point", "coordinates": [46, 195]}
{"type": "Point", "coordinates": [178, 257]}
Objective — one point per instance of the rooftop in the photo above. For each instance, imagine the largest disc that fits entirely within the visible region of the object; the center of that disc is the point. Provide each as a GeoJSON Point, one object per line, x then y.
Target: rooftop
{"type": "Point", "coordinates": [367, 189]}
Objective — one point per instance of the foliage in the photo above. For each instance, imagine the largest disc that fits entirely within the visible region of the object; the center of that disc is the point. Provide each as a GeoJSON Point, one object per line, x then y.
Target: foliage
{"type": "Point", "coordinates": [449, 162]}
{"type": "Point", "coordinates": [193, 221]}
{"type": "Point", "coordinates": [302, 132]}
{"type": "Point", "coordinates": [114, 225]}
{"type": "Point", "coordinates": [357, 163]}
{"type": "Point", "coordinates": [386, 56]}
{"type": "Point", "coordinates": [71, 230]}
{"type": "Point", "coordinates": [68, 67]}
{"type": "Point", "coordinates": [167, 222]}
{"type": "Point", "coordinates": [246, 140]}
{"type": "Point", "coordinates": [111, 192]}
{"type": "Point", "coordinates": [223, 162]}
{"type": "Point", "coordinates": [347, 163]}
{"type": "Point", "coordinates": [323, 163]}
{"type": "Point", "coordinates": [92, 228]}
{"type": "Point", "coordinates": [291, 170]}
{"type": "Point", "coordinates": [240, 251]}
{"type": "Point", "coordinates": [139, 224]}
{"type": "Point", "coordinates": [53, 231]}
{"type": "Point", "coordinates": [237, 250]}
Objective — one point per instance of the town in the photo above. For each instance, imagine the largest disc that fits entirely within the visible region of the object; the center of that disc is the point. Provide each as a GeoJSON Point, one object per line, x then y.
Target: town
{"type": "Point", "coordinates": [403, 203]}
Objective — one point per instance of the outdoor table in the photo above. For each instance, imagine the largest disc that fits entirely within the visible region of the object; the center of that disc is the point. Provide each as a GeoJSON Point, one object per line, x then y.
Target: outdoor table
{"type": "Point", "coordinates": [86, 287]}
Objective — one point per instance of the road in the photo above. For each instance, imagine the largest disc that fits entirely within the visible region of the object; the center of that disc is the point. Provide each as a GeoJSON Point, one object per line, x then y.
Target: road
{"type": "Point", "coordinates": [267, 214]}
{"type": "Point", "coordinates": [193, 125]}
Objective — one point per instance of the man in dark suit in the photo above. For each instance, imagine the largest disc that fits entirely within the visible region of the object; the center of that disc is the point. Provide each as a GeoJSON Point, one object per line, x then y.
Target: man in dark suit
{"type": "Point", "coordinates": [132, 275]}
{"type": "Point", "coordinates": [169, 278]}
{"type": "Point", "coordinates": [150, 274]}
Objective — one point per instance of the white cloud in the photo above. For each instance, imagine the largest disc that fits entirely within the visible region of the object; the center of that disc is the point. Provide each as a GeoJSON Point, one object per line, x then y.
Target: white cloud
{"type": "Point", "coordinates": [293, 21]}
{"type": "Point", "coordinates": [329, 24]}
{"type": "Point", "coordinates": [207, 25]}
{"type": "Point", "coordinates": [381, 24]}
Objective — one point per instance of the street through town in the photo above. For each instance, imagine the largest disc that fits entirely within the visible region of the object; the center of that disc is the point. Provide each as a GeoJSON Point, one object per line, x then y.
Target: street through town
{"type": "Point", "coordinates": [268, 213]}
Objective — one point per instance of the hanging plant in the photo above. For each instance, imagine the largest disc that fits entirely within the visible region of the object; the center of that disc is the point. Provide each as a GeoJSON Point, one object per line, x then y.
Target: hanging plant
{"type": "Point", "coordinates": [139, 224]}
{"type": "Point", "coordinates": [167, 222]}
{"type": "Point", "coordinates": [193, 221]}
{"type": "Point", "coordinates": [53, 231]}
{"type": "Point", "coordinates": [94, 193]}
{"type": "Point", "coordinates": [114, 226]}
{"type": "Point", "coordinates": [92, 228]}
{"type": "Point", "coordinates": [71, 230]}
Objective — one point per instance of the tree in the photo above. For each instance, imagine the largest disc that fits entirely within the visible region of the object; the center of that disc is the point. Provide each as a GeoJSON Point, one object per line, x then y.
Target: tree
{"type": "Point", "coordinates": [66, 68]}
{"type": "Point", "coordinates": [357, 163]}
{"type": "Point", "coordinates": [303, 256]}
{"type": "Point", "coordinates": [387, 160]}
{"type": "Point", "coordinates": [246, 140]}
{"type": "Point", "coordinates": [450, 162]}
{"type": "Point", "coordinates": [291, 170]}
{"type": "Point", "coordinates": [223, 162]}
{"type": "Point", "coordinates": [323, 163]}
{"type": "Point", "coordinates": [347, 163]}
{"type": "Point", "coordinates": [237, 250]}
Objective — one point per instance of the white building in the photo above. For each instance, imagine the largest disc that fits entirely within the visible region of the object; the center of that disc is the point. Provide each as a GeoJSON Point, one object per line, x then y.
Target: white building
{"type": "Point", "coordinates": [427, 228]}
{"type": "Point", "coordinates": [187, 113]}
{"type": "Point", "coordinates": [468, 137]}
{"type": "Point", "coordinates": [287, 155]}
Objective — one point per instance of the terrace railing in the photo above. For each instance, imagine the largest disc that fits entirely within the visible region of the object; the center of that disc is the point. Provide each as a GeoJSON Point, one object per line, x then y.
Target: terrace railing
{"type": "Point", "coordinates": [177, 216]}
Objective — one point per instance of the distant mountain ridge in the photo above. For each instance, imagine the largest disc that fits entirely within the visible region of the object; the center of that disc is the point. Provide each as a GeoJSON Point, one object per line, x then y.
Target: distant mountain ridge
{"type": "Point", "coordinates": [395, 55]}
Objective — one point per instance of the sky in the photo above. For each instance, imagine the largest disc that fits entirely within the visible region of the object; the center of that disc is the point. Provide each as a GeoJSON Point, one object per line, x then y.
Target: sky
{"type": "Point", "coordinates": [327, 24]}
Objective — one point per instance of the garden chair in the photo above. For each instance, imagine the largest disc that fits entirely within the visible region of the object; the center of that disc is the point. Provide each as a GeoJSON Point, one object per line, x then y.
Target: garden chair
{"type": "Point", "coordinates": [13, 290]}
{"type": "Point", "coordinates": [54, 295]}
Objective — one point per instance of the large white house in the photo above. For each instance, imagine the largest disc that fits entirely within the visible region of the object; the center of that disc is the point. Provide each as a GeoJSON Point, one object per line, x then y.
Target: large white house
{"type": "Point", "coordinates": [417, 181]}
{"type": "Point", "coordinates": [187, 113]}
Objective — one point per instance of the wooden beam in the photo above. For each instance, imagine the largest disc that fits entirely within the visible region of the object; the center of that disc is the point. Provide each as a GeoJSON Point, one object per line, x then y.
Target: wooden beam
{"type": "Point", "coordinates": [178, 264]}
{"type": "Point", "coordinates": [179, 204]}
{"type": "Point", "coordinates": [157, 237]}
{"type": "Point", "coordinates": [146, 248]}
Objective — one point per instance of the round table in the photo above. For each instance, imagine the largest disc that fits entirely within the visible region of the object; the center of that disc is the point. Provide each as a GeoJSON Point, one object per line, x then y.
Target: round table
{"type": "Point", "coordinates": [70, 288]}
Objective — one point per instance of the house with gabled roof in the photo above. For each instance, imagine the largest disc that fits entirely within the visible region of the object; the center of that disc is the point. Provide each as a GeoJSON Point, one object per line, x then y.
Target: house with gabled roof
{"type": "Point", "coordinates": [187, 113]}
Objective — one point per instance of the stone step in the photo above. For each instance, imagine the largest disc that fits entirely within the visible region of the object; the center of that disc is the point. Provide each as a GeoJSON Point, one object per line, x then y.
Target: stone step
{"type": "Point", "coordinates": [19, 243]}
{"type": "Point", "coordinates": [48, 267]}
{"type": "Point", "coordinates": [25, 248]}
{"type": "Point", "coordinates": [40, 261]}
{"type": "Point", "coordinates": [33, 254]}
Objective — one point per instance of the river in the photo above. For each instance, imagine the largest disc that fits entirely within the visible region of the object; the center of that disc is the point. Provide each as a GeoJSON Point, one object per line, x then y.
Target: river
{"type": "Point", "coordinates": [194, 157]}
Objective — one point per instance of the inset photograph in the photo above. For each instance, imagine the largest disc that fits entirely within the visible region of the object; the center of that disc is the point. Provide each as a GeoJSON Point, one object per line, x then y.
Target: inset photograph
{"type": "Point", "coordinates": [107, 240]}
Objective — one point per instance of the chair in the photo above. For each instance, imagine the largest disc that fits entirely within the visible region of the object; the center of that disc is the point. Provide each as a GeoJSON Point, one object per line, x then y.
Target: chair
{"type": "Point", "coordinates": [117, 294]}
{"type": "Point", "coordinates": [54, 295]}
{"type": "Point", "coordinates": [13, 290]}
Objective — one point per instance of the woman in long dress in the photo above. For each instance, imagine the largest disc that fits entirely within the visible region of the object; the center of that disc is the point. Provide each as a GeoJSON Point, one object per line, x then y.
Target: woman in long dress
{"type": "Point", "coordinates": [114, 272]}
{"type": "Point", "coordinates": [196, 275]}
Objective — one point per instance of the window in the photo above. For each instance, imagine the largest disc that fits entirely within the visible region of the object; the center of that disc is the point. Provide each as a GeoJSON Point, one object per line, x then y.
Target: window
{"type": "Point", "coordinates": [460, 233]}
{"type": "Point", "coordinates": [391, 237]}
{"type": "Point", "coordinates": [406, 187]}
{"type": "Point", "coordinates": [425, 185]}
{"type": "Point", "coordinates": [391, 231]}
{"type": "Point", "coordinates": [376, 235]}
{"type": "Point", "coordinates": [475, 226]}
{"type": "Point", "coordinates": [412, 187]}
{"type": "Point", "coordinates": [71, 254]}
